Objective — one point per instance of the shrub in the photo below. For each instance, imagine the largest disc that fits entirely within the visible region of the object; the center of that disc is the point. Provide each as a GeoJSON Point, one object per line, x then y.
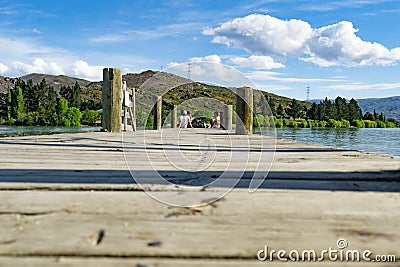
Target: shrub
{"type": "Point", "coordinates": [256, 122]}
{"type": "Point", "coordinates": [334, 123]}
{"type": "Point", "coordinates": [142, 117]}
{"type": "Point", "coordinates": [292, 124]}
{"type": "Point", "coordinates": [313, 123]}
{"type": "Point", "coordinates": [269, 121]}
{"type": "Point", "coordinates": [278, 123]}
{"type": "Point", "coordinates": [370, 124]}
{"type": "Point", "coordinates": [259, 120]}
{"type": "Point", "coordinates": [89, 117]}
{"type": "Point", "coordinates": [358, 123]}
{"type": "Point", "coordinates": [390, 124]}
{"type": "Point", "coordinates": [285, 122]}
{"type": "Point", "coordinates": [74, 117]}
{"type": "Point", "coordinates": [203, 113]}
{"type": "Point", "coordinates": [380, 124]}
{"type": "Point", "coordinates": [345, 123]}
{"type": "Point", "coordinates": [303, 124]}
{"type": "Point", "coordinates": [322, 124]}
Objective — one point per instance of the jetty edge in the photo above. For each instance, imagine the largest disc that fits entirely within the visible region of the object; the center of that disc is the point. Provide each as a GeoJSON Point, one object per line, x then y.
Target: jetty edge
{"type": "Point", "coordinates": [69, 198]}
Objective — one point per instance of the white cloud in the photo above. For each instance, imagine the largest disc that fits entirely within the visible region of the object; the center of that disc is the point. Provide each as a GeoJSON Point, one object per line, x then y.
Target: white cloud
{"type": "Point", "coordinates": [257, 62]}
{"type": "Point", "coordinates": [338, 44]}
{"type": "Point", "coordinates": [38, 66]}
{"type": "Point", "coordinates": [173, 64]}
{"type": "Point", "coordinates": [110, 38]}
{"type": "Point", "coordinates": [82, 69]}
{"type": "Point", "coordinates": [210, 58]}
{"type": "Point", "coordinates": [273, 87]}
{"type": "Point", "coordinates": [276, 76]}
{"type": "Point", "coordinates": [263, 34]}
{"type": "Point", "coordinates": [332, 45]}
{"type": "Point", "coordinates": [21, 56]}
{"type": "Point", "coordinates": [34, 30]}
{"type": "Point", "coordinates": [361, 86]}
{"type": "Point", "coordinates": [209, 70]}
{"type": "Point", "coordinates": [3, 68]}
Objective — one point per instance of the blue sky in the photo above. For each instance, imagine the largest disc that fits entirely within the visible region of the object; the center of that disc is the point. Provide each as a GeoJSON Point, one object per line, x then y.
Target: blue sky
{"type": "Point", "coordinates": [346, 48]}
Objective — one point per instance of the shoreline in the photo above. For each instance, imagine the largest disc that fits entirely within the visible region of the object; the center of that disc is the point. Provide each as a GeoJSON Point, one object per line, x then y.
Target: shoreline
{"type": "Point", "coordinates": [295, 164]}
{"type": "Point", "coordinates": [98, 129]}
{"type": "Point", "coordinates": [77, 190]}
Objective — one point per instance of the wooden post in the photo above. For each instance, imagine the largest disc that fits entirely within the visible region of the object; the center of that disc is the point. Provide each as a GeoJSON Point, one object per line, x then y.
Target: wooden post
{"type": "Point", "coordinates": [126, 104]}
{"type": "Point", "coordinates": [133, 115]}
{"type": "Point", "coordinates": [227, 117]}
{"type": "Point", "coordinates": [244, 111]}
{"type": "Point", "coordinates": [174, 117]}
{"type": "Point", "coordinates": [158, 114]}
{"type": "Point", "coordinates": [112, 100]}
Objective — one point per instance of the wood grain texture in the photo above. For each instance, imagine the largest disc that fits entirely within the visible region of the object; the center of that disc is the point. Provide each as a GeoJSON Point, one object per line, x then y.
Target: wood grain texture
{"type": "Point", "coordinates": [70, 199]}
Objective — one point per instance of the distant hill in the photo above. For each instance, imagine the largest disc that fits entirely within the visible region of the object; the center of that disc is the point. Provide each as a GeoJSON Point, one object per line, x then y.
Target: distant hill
{"type": "Point", "coordinates": [91, 91]}
{"type": "Point", "coordinates": [390, 106]}
{"type": "Point", "coordinates": [6, 82]}
{"type": "Point", "coordinates": [55, 81]}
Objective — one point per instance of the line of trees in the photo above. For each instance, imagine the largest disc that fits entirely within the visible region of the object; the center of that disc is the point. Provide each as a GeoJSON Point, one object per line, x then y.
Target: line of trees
{"type": "Point", "coordinates": [38, 104]}
{"type": "Point", "coordinates": [336, 114]}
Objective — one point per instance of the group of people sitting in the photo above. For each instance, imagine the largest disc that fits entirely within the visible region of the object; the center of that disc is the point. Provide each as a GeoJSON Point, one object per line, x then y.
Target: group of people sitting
{"type": "Point", "coordinates": [186, 120]}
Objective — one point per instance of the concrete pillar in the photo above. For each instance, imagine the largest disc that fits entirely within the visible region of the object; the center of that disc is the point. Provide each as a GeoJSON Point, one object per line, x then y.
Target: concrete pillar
{"type": "Point", "coordinates": [112, 100]}
{"type": "Point", "coordinates": [227, 117]}
{"type": "Point", "coordinates": [174, 117]}
{"type": "Point", "coordinates": [244, 111]}
{"type": "Point", "coordinates": [158, 114]}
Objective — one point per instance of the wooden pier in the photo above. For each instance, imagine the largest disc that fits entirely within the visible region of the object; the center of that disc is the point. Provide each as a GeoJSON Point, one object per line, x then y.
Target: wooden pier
{"type": "Point", "coordinates": [70, 198]}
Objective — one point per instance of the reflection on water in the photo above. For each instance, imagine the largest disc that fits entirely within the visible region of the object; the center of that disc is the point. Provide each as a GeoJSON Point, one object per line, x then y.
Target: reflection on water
{"type": "Point", "coordinates": [386, 141]}
{"type": "Point", "coordinates": [39, 130]}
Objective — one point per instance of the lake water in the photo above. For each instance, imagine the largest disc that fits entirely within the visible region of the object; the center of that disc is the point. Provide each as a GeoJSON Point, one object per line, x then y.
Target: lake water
{"type": "Point", "coordinates": [379, 140]}
{"type": "Point", "coordinates": [39, 130]}
{"type": "Point", "coordinates": [385, 141]}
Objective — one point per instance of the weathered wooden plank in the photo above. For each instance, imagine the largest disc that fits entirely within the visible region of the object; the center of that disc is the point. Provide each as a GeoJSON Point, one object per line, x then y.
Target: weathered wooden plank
{"type": "Point", "coordinates": [68, 223]}
{"type": "Point", "coordinates": [153, 262]}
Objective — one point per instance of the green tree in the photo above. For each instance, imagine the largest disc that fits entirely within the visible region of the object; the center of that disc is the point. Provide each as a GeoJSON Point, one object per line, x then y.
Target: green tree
{"type": "Point", "coordinates": [292, 124]}
{"type": "Point", "coordinates": [355, 112]}
{"type": "Point", "coordinates": [62, 112]}
{"type": "Point", "coordinates": [30, 96]}
{"type": "Point", "coordinates": [330, 109]}
{"type": "Point", "coordinates": [73, 95]}
{"type": "Point", "coordinates": [342, 110]}
{"type": "Point", "coordinates": [76, 96]}
{"type": "Point", "coordinates": [74, 116]}
{"type": "Point", "coordinates": [312, 113]}
{"type": "Point", "coordinates": [278, 123]}
{"type": "Point", "coordinates": [19, 106]}
{"type": "Point", "coordinates": [295, 109]}
{"type": "Point", "coordinates": [381, 117]}
{"type": "Point", "coordinates": [369, 116]}
{"type": "Point", "coordinates": [280, 110]}
{"type": "Point", "coordinates": [375, 115]}
{"type": "Point", "coordinates": [9, 106]}
{"type": "Point", "coordinates": [89, 117]}
{"type": "Point", "coordinates": [272, 106]}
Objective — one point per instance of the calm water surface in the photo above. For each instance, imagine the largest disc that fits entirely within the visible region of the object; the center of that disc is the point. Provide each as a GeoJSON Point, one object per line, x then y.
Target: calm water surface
{"type": "Point", "coordinates": [385, 141]}
{"type": "Point", "coordinates": [39, 130]}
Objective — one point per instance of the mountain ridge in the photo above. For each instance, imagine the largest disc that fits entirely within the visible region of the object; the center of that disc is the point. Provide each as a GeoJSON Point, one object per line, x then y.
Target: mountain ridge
{"type": "Point", "coordinates": [390, 106]}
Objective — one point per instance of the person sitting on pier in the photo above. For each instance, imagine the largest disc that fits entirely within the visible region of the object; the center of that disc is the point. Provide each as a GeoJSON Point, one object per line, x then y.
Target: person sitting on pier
{"type": "Point", "coordinates": [216, 121]}
{"type": "Point", "coordinates": [185, 121]}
